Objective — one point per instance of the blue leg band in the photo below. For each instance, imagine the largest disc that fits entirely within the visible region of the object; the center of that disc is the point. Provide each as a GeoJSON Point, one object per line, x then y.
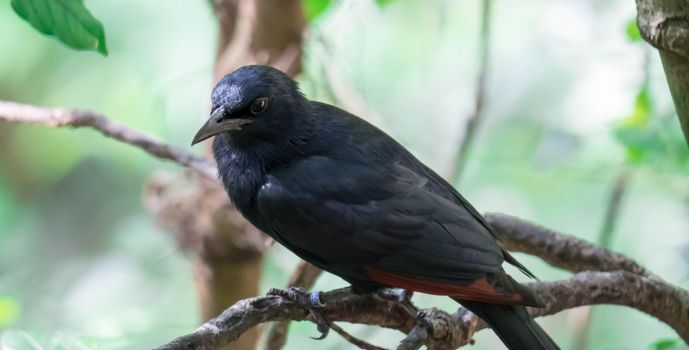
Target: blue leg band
{"type": "Point", "coordinates": [315, 299]}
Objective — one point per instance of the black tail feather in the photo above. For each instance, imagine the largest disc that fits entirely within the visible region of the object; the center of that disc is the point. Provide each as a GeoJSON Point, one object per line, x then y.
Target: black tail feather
{"type": "Point", "coordinates": [513, 324]}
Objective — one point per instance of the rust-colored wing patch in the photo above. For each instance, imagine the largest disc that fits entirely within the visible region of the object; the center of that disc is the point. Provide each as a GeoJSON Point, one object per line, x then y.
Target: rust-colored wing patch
{"type": "Point", "coordinates": [479, 290]}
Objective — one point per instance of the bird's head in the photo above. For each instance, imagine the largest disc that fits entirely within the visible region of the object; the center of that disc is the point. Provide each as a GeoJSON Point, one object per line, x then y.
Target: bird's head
{"type": "Point", "coordinates": [254, 102]}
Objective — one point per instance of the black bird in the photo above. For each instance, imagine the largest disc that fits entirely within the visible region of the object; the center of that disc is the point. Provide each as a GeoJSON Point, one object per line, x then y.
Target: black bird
{"type": "Point", "coordinates": [346, 197]}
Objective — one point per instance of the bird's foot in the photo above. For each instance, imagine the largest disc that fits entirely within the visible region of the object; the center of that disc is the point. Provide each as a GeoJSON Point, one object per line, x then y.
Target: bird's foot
{"type": "Point", "coordinates": [401, 296]}
{"type": "Point", "coordinates": [394, 294]}
{"type": "Point", "coordinates": [299, 296]}
{"type": "Point", "coordinates": [309, 301]}
{"type": "Point", "coordinates": [422, 318]}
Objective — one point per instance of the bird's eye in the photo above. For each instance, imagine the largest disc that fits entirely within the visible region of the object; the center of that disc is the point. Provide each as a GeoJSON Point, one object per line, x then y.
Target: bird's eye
{"type": "Point", "coordinates": [259, 105]}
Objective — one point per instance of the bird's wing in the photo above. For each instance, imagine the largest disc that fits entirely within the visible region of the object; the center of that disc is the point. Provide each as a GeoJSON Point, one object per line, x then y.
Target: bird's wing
{"type": "Point", "coordinates": [441, 187]}
{"type": "Point", "coordinates": [386, 225]}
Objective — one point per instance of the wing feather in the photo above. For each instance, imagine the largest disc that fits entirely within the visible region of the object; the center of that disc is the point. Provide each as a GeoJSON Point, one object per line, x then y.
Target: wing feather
{"type": "Point", "coordinates": [399, 226]}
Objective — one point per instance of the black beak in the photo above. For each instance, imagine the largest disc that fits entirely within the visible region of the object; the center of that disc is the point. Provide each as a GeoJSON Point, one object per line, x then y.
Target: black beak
{"type": "Point", "coordinates": [216, 125]}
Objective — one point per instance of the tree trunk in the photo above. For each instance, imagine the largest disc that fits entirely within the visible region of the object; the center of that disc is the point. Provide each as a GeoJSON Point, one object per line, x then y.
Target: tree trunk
{"type": "Point", "coordinates": [665, 25]}
{"type": "Point", "coordinates": [250, 32]}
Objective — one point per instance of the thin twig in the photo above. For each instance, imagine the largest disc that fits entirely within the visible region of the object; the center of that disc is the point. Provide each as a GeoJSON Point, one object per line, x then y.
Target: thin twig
{"type": "Point", "coordinates": [613, 208]}
{"type": "Point", "coordinates": [616, 280]}
{"type": "Point", "coordinates": [76, 118]}
{"type": "Point", "coordinates": [354, 340]}
{"type": "Point", "coordinates": [459, 160]}
{"type": "Point", "coordinates": [304, 275]}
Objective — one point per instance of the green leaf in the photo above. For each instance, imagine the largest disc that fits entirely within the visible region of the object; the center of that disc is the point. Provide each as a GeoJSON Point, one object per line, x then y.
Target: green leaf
{"type": "Point", "coordinates": [664, 344]}
{"type": "Point", "coordinates": [632, 31]}
{"type": "Point", "coordinates": [68, 20]}
{"type": "Point", "coordinates": [315, 8]}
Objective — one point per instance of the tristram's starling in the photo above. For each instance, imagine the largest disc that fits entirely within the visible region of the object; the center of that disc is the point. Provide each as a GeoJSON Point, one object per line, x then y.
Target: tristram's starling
{"type": "Point", "coordinates": [346, 197]}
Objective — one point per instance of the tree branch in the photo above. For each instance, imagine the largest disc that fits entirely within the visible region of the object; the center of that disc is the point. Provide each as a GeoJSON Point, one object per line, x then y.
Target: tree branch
{"type": "Point", "coordinates": [341, 305]}
{"type": "Point", "coordinates": [76, 118]}
{"type": "Point", "coordinates": [616, 280]}
{"type": "Point", "coordinates": [557, 249]}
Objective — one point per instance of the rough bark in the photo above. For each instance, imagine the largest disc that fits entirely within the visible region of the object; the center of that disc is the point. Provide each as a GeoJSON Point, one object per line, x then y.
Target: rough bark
{"type": "Point", "coordinates": [618, 281]}
{"type": "Point", "coordinates": [665, 25]}
{"type": "Point", "coordinates": [559, 250]}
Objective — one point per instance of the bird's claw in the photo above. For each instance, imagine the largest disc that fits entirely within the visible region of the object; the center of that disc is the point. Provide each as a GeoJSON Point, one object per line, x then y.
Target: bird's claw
{"type": "Point", "coordinates": [322, 324]}
{"type": "Point", "coordinates": [422, 319]}
{"type": "Point", "coordinates": [309, 301]}
{"type": "Point", "coordinates": [401, 296]}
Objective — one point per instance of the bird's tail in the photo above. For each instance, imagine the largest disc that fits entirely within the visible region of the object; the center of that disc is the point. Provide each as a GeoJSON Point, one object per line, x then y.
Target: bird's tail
{"type": "Point", "coordinates": [513, 324]}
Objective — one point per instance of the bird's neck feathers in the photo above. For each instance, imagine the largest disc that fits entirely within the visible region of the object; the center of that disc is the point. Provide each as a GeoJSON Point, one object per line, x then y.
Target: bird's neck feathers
{"type": "Point", "coordinates": [244, 163]}
{"type": "Point", "coordinates": [264, 151]}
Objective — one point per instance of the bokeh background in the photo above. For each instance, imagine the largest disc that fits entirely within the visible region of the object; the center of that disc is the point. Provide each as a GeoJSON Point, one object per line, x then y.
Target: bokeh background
{"type": "Point", "coordinates": [574, 103]}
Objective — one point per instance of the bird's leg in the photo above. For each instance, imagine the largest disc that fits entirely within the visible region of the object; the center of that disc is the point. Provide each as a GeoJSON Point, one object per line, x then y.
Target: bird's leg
{"type": "Point", "coordinates": [299, 296]}
{"type": "Point", "coordinates": [309, 301]}
{"type": "Point", "coordinates": [399, 295]}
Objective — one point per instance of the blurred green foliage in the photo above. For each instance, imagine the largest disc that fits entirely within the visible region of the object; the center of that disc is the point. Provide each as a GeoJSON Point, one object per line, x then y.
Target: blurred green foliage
{"type": "Point", "coordinates": [651, 139]}
{"type": "Point", "coordinates": [666, 344]}
{"type": "Point", "coordinates": [68, 20]}
{"type": "Point", "coordinates": [634, 133]}
{"type": "Point", "coordinates": [9, 310]}
{"type": "Point", "coordinates": [648, 136]}
{"type": "Point", "coordinates": [383, 2]}
{"type": "Point", "coordinates": [632, 30]}
{"type": "Point", "coordinates": [569, 103]}
{"type": "Point", "coordinates": [314, 8]}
